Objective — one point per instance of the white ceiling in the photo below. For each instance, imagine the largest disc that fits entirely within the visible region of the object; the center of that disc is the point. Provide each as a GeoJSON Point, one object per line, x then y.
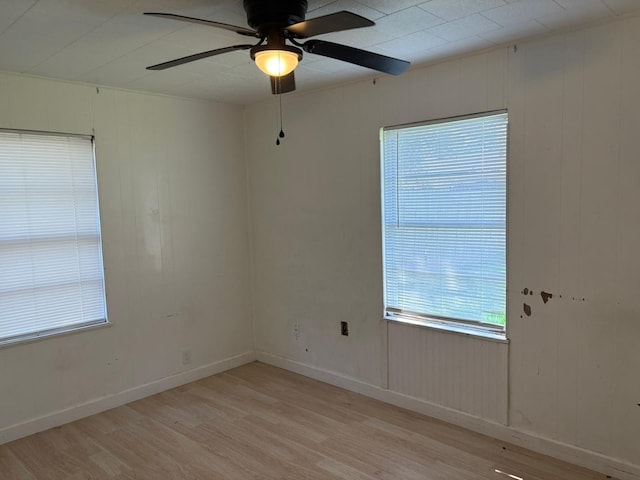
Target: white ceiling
{"type": "Point", "coordinates": [111, 42]}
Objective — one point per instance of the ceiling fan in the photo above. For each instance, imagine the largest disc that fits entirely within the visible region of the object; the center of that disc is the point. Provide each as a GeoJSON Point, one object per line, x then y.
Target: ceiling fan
{"type": "Point", "coordinates": [276, 22]}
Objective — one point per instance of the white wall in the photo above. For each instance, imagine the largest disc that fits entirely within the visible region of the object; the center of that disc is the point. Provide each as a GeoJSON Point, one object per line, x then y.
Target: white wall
{"type": "Point", "coordinates": [574, 231]}
{"type": "Point", "coordinates": [575, 106]}
{"type": "Point", "coordinates": [172, 184]}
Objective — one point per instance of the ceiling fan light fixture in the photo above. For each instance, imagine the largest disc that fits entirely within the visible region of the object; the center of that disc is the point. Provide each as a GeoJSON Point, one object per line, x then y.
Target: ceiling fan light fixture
{"type": "Point", "coordinates": [276, 62]}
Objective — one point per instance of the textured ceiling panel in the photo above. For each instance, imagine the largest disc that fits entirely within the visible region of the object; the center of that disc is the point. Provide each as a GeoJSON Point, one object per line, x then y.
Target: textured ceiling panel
{"type": "Point", "coordinates": [111, 43]}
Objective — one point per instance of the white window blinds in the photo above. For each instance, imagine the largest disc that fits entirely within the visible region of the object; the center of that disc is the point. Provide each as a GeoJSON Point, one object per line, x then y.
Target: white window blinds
{"type": "Point", "coordinates": [444, 216]}
{"type": "Point", "coordinates": [50, 249]}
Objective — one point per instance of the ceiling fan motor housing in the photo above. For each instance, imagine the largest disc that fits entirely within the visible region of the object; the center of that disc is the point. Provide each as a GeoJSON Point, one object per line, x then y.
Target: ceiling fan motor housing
{"type": "Point", "coordinates": [267, 15]}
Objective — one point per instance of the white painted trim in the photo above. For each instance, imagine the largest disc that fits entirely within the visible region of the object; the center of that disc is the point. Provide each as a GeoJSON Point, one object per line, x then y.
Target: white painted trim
{"type": "Point", "coordinates": [617, 468]}
{"type": "Point", "coordinates": [51, 420]}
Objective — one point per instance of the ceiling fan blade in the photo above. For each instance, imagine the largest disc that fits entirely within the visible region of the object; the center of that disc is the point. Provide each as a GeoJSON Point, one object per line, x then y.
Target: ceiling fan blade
{"type": "Point", "coordinates": [334, 22]}
{"type": "Point", "coordinates": [197, 56]}
{"type": "Point", "coordinates": [372, 60]}
{"type": "Point", "coordinates": [284, 84]}
{"type": "Point", "coordinates": [234, 28]}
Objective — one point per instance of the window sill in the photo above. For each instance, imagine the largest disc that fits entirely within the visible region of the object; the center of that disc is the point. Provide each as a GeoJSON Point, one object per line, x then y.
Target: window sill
{"type": "Point", "coordinates": [451, 327]}
{"type": "Point", "coordinates": [35, 337]}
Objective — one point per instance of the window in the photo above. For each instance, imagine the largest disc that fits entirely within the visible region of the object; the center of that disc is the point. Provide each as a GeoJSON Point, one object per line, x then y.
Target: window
{"type": "Point", "coordinates": [444, 223]}
{"type": "Point", "coordinates": [50, 246]}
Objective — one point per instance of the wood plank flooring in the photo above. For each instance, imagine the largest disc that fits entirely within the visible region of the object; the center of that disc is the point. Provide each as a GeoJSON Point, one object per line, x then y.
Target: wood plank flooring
{"type": "Point", "coordinates": [260, 422]}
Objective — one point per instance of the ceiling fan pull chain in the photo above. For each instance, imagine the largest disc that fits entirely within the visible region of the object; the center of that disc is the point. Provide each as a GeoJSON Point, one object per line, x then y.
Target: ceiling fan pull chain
{"type": "Point", "coordinates": [281, 134]}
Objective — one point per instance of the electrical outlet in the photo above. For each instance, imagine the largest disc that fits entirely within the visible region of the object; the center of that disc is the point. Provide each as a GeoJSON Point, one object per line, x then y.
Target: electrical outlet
{"type": "Point", "coordinates": [186, 356]}
{"type": "Point", "coordinates": [344, 328]}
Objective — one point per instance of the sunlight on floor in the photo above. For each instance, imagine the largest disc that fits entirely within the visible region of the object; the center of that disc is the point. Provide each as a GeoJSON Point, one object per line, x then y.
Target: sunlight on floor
{"type": "Point", "coordinates": [515, 477]}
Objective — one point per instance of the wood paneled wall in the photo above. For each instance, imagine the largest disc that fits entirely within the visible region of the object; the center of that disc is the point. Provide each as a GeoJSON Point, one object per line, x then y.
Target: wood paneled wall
{"type": "Point", "coordinates": [465, 373]}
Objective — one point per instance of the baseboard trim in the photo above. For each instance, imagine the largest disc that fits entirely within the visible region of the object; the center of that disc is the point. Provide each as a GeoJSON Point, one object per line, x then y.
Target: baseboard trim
{"type": "Point", "coordinates": [601, 463]}
{"type": "Point", "coordinates": [55, 419]}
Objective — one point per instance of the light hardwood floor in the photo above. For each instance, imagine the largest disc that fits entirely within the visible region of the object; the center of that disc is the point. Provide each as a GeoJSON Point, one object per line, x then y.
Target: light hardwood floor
{"type": "Point", "coordinates": [260, 422]}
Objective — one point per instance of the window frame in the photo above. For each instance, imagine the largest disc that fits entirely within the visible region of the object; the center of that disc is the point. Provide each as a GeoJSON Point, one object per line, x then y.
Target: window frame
{"type": "Point", "coordinates": [33, 336]}
{"type": "Point", "coordinates": [498, 333]}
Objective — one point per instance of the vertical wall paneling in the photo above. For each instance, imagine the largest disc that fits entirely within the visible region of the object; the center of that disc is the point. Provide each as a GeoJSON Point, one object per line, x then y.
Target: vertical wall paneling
{"type": "Point", "coordinates": [533, 337]}
{"type": "Point", "coordinates": [626, 416]}
{"type": "Point", "coordinates": [456, 371]}
{"type": "Point", "coordinates": [569, 233]}
{"type": "Point", "coordinates": [172, 190]}
{"type": "Point", "coordinates": [598, 226]}
{"type": "Point", "coordinates": [572, 109]}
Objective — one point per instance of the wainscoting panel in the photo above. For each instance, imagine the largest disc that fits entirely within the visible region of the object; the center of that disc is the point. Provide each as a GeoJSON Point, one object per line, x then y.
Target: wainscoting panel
{"type": "Point", "coordinates": [466, 373]}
